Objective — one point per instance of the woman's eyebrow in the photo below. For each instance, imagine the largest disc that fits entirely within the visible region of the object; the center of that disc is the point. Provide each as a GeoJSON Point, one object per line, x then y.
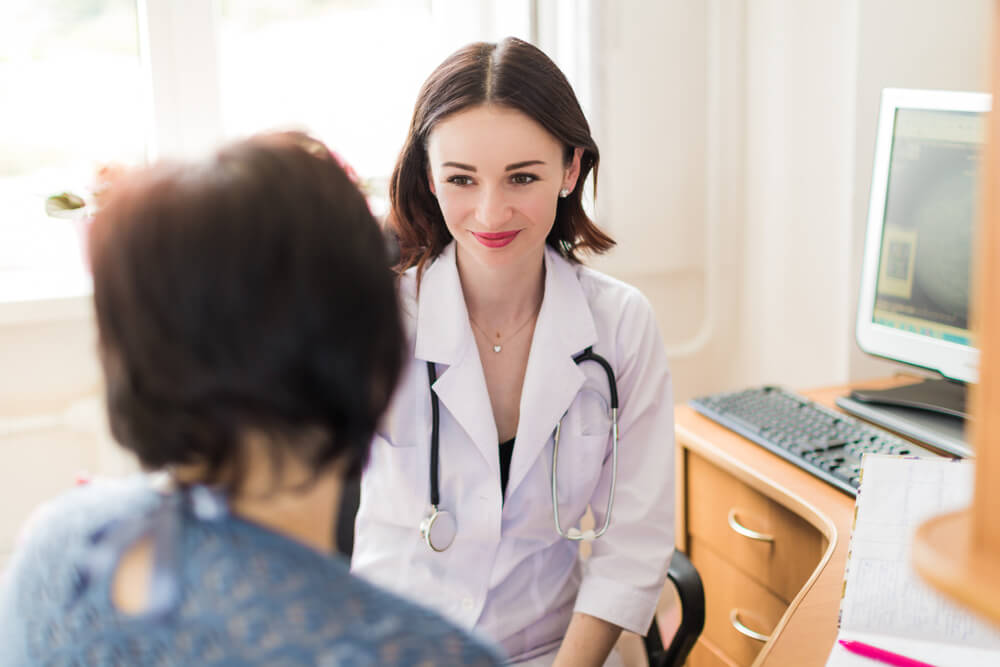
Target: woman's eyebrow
{"type": "Point", "coordinates": [509, 167]}
{"type": "Point", "coordinates": [521, 165]}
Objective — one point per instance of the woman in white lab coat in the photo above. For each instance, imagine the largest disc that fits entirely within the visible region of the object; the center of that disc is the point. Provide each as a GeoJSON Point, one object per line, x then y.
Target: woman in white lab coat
{"type": "Point", "coordinates": [487, 204]}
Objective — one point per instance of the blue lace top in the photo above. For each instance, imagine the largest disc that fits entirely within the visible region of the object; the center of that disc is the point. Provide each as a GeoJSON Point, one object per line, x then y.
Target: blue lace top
{"type": "Point", "coordinates": [224, 591]}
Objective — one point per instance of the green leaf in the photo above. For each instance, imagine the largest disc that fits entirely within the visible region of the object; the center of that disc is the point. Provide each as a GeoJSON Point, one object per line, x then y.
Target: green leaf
{"type": "Point", "coordinates": [65, 205]}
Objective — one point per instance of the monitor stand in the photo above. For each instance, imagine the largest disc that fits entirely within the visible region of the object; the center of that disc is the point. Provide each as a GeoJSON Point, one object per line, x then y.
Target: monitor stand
{"type": "Point", "coordinates": [931, 412]}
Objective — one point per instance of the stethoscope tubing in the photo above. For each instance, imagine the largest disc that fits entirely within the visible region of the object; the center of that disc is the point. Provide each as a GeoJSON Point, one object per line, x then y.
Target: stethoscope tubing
{"type": "Point", "coordinates": [435, 431]}
{"type": "Point", "coordinates": [575, 534]}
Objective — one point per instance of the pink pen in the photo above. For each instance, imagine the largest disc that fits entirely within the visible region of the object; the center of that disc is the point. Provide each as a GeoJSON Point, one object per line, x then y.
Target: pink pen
{"type": "Point", "coordinates": [888, 657]}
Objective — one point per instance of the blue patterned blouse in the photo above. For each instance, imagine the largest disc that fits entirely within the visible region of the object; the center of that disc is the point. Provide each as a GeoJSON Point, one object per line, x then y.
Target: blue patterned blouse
{"type": "Point", "coordinates": [224, 591]}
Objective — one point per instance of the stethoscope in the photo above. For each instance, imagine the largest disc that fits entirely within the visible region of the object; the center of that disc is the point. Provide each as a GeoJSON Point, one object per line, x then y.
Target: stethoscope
{"type": "Point", "coordinates": [438, 529]}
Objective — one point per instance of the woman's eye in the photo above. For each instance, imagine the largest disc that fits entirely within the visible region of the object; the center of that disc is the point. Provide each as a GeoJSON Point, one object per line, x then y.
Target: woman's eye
{"type": "Point", "coordinates": [459, 179]}
{"type": "Point", "coordinates": [523, 179]}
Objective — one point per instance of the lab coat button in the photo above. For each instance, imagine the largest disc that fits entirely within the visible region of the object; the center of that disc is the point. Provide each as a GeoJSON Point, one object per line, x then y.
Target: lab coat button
{"type": "Point", "coordinates": [467, 603]}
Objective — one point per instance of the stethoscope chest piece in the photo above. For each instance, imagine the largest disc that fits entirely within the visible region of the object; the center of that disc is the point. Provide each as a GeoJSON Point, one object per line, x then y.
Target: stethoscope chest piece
{"type": "Point", "coordinates": [439, 529]}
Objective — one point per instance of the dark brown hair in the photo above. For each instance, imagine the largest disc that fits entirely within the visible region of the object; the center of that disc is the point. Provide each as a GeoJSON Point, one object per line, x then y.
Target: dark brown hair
{"type": "Point", "coordinates": [250, 292]}
{"type": "Point", "coordinates": [513, 74]}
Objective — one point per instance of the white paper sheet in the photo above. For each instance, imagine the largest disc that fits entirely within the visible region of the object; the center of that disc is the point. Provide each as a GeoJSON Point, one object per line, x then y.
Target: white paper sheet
{"type": "Point", "coordinates": [886, 603]}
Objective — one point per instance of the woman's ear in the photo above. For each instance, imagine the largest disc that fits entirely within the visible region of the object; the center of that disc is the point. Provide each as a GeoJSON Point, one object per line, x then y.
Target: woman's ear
{"type": "Point", "coordinates": [430, 182]}
{"type": "Point", "coordinates": [572, 171]}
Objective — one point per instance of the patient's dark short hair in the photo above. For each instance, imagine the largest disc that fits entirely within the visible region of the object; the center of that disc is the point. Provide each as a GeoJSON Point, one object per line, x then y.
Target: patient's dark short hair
{"type": "Point", "coordinates": [250, 292]}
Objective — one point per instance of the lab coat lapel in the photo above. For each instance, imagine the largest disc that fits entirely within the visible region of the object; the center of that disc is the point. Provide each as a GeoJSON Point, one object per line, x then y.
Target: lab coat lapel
{"type": "Point", "coordinates": [445, 337]}
{"type": "Point", "coordinates": [565, 327]}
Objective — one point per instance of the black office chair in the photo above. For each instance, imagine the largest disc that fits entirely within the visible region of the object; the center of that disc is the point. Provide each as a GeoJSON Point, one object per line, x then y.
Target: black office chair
{"type": "Point", "coordinates": [691, 594]}
{"type": "Point", "coordinates": [681, 572]}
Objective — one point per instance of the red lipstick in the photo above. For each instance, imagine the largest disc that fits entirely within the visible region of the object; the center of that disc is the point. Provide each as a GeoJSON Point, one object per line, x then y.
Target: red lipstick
{"type": "Point", "coordinates": [495, 239]}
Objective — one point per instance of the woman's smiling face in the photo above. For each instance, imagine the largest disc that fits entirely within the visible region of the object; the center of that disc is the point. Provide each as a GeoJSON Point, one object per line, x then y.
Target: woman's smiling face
{"type": "Point", "coordinates": [497, 174]}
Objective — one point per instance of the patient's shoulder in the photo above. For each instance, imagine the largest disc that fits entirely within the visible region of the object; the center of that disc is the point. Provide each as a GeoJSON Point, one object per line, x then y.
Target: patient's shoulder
{"type": "Point", "coordinates": [76, 512]}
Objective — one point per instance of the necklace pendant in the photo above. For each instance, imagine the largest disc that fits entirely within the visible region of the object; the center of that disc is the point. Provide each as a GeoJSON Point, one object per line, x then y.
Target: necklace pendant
{"type": "Point", "coordinates": [497, 348]}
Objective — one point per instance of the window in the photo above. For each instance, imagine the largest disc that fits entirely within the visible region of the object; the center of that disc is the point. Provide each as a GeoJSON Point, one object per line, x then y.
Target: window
{"type": "Point", "coordinates": [347, 71]}
{"type": "Point", "coordinates": [70, 76]}
{"type": "Point", "coordinates": [88, 82]}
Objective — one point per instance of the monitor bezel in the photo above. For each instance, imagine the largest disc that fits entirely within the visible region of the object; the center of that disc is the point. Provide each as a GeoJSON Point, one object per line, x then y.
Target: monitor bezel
{"type": "Point", "coordinates": [952, 360]}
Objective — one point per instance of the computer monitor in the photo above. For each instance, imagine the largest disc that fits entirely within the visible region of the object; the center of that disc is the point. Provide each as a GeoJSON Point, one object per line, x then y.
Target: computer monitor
{"type": "Point", "coordinates": [913, 305]}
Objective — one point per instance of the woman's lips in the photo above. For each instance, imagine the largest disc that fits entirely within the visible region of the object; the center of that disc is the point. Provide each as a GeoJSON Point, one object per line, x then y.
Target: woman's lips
{"type": "Point", "coordinates": [495, 239]}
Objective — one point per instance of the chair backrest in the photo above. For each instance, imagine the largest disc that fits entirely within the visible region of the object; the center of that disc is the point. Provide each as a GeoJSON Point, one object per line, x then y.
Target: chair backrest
{"type": "Point", "coordinates": [691, 594]}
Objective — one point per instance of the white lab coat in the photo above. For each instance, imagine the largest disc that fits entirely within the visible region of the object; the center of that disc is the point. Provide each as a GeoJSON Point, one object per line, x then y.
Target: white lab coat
{"type": "Point", "coordinates": [508, 574]}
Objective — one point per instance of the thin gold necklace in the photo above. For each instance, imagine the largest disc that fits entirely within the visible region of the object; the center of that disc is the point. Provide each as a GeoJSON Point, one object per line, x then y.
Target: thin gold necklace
{"type": "Point", "coordinates": [498, 346]}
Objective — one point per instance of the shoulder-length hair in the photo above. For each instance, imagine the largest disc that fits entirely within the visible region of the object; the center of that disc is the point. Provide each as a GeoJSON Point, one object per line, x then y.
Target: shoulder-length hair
{"type": "Point", "coordinates": [513, 74]}
{"type": "Point", "coordinates": [246, 293]}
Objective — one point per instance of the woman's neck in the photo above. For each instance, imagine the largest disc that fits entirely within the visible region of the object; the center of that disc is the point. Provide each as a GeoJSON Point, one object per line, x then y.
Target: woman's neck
{"type": "Point", "coordinates": [287, 498]}
{"type": "Point", "coordinates": [306, 516]}
{"type": "Point", "coordinates": [498, 298]}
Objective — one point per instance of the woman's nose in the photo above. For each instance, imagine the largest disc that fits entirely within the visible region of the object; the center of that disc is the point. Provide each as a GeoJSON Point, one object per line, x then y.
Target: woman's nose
{"type": "Point", "coordinates": [492, 209]}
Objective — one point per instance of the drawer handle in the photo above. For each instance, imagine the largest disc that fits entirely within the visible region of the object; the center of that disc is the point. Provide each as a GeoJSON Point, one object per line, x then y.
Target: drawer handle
{"type": "Point", "coordinates": [734, 620]}
{"type": "Point", "coordinates": [746, 532]}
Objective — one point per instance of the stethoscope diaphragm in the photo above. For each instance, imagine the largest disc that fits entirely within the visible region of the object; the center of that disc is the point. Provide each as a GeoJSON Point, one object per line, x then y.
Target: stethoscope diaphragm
{"type": "Point", "coordinates": [438, 530]}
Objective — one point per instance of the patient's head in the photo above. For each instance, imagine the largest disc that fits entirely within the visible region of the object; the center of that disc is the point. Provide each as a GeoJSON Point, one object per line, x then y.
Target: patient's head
{"type": "Point", "coordinates": [247, 294]}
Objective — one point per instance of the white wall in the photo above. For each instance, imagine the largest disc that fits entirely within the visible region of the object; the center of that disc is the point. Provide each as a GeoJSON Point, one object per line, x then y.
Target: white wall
{"type": "Point", "coordinates": [799, 66]}
{"type": "Point", "coordinates": [737, 139]}
{"type": "Point", "coordinates": [52, 422]}
{"type": "Point", "coordinates": [671, 114]}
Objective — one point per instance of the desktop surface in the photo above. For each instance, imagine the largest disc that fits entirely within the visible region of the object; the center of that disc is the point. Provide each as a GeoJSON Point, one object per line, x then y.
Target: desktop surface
{"type": "Point", "coordinates": [807, 629]}
{"type": "Point", "coordinates": [943, 432]}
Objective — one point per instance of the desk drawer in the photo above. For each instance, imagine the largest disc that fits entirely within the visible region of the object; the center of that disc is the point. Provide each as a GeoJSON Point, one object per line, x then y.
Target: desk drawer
{"type": "Point", "coordinates": [719, 505]}
{"type": "Point", "coordinates": [705, 654]}
{"type": "Point", "coordinates": [728, 589]}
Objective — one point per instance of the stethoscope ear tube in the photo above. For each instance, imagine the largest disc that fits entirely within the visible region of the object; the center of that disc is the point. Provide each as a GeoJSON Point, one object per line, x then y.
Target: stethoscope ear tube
{"type": "Point", "coordinates": [574, 533]}
{"type": "Point", "coordinates": [588, 355]}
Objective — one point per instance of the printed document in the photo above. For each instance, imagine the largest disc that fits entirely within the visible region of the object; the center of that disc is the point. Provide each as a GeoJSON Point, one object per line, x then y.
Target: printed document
{"type": "Point", "coordinates": [886, 603]}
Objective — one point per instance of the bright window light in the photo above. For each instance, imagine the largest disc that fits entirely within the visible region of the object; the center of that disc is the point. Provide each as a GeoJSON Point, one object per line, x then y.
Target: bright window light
{"type": "Point", "coordinates": [86, 83]}
{"type": "Point", "coordinates": [346, 71]}
{"type": "Point", "coordinates": [72, 100]}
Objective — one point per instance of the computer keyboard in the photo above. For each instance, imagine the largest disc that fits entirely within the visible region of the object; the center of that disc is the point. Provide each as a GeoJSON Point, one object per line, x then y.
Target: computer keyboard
{"type": "Point", "coordinates": [821, 441]}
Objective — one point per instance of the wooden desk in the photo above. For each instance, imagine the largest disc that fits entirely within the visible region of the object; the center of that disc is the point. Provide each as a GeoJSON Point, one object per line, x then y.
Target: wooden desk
{"type": "Point", "coordinates": [813, 518]}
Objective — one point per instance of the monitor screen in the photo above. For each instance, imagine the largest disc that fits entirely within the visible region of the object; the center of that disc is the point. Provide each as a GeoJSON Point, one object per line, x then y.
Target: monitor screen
{"type": "Point", "coordinates": [914, 299]}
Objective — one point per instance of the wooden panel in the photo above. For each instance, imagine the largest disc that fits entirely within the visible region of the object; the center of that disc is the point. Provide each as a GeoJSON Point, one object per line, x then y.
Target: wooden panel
{"type": "Point", "coordinates": [784, 565]}
{"type": "Point", "coordinates": [704, 654]}
{"type": "Point", "coordinates": [727, 588]}
{"type": "Point", "coordinates": [985, 426]}
{"type": "Point", "coordinates": [958, 552]}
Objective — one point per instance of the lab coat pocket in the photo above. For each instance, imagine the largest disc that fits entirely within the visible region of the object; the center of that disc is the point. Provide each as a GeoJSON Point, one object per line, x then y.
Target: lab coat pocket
{"type": "Point", "coordinates": [395, 443]}
{"type": "Point", "coordinates": [398, 490]}
{"type": "Point", "coordinates": [583, 447]}
{"type": "Point", "coordinates": [580, 461]}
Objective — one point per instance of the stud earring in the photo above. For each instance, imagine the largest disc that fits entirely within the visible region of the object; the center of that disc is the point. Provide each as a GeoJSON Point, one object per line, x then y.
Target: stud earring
{"type": "Point", "coordinates": [564, 193]}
